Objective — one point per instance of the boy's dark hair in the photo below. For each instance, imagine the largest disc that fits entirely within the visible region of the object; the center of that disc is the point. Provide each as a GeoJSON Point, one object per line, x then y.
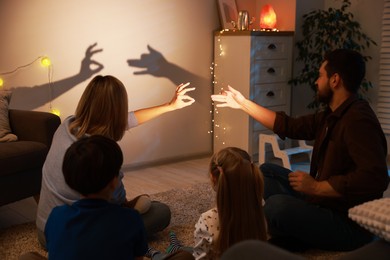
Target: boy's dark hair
{"type": "Point", "coordinates": [91, 163]}
{"type": "Point", "coordinates": [349, 64]}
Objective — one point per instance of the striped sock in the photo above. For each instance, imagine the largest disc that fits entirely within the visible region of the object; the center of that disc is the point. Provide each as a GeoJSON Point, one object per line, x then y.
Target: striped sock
{"type": "Point", "coordinates": [174, 245]}
{"type": "Point", "coordinates": [151, 252]}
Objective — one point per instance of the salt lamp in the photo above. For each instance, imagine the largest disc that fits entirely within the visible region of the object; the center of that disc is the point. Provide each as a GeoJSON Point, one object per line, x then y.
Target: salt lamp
{"type": "Point", "coordinates": [267, 18]}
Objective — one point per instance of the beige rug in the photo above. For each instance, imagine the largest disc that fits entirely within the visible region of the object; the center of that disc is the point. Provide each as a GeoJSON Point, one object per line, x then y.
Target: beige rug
{"type": "Point", "coordinates": [186, 206]}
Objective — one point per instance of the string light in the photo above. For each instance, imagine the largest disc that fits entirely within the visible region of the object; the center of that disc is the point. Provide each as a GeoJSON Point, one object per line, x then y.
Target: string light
{"type": "Point", "coordinates": [20, 67]}
{"type": "Point", "coordinates": [219, 131]}
{"type": "Point", "coordinates": [46, 63]}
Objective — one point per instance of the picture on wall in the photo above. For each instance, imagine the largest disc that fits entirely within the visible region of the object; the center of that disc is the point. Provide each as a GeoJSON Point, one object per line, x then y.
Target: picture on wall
{"type": "Point", "coordinates": [227, 13]}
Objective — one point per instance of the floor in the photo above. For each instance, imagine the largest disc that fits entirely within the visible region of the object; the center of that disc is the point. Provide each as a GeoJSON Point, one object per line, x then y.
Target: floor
{"type": "Point", "coordinates": [141, 181]}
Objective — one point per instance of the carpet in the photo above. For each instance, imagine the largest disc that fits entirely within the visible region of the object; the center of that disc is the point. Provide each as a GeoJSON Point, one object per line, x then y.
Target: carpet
{"type": "Point", "coordinates": [186, 205]}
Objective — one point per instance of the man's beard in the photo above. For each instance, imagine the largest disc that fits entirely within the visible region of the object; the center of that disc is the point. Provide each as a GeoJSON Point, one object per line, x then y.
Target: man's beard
{"type": "Point", "coordinates": [325, 96]}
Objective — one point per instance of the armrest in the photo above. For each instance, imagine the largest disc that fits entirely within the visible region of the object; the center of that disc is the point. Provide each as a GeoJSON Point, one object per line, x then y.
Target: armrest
{"type": "Point", "coordinates": [33, 125]}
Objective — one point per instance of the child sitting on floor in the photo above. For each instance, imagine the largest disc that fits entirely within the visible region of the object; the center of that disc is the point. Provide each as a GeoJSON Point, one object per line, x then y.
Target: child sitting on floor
{"type": "Point", "coordinates": [239, 213]}
{"type": "Point", "coordinates": [92, 227]}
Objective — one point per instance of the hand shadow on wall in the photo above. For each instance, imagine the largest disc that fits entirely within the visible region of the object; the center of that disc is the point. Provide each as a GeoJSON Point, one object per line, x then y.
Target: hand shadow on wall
{"type": "Point", "coordinates": [155, 64]}
{"type": "Point", "coordinates": [29, 98]}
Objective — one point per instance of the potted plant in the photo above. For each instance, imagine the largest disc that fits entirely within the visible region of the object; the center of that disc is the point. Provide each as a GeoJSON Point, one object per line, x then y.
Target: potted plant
{"type": "Point", "coordinates": [323, 31]}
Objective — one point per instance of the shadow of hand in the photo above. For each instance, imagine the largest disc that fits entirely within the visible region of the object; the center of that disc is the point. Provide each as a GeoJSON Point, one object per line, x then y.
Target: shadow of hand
{"type": "Point", "coordinates": [153, 63]}
{"type": "Point", "coordinates": [90, 67]}
{"type": "Point", "coordinates": [30, 98]}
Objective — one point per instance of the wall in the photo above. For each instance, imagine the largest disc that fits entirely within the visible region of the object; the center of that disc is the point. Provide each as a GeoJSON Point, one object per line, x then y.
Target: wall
{"type": "Point", "coordinates": [180, 35]}
{"type": "Point", "coordinates": [171, 38]}
{"type": "Point", "coordinates": [302, 94]}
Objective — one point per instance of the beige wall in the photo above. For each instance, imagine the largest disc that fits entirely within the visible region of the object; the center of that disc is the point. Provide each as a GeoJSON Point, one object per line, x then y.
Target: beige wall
{"type": "Point", "coordinates": [179, 30]}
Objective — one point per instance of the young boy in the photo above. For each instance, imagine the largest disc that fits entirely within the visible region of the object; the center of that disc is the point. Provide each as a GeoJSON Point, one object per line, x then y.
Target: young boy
{"type": "Point", "coordinates": [94, 228]}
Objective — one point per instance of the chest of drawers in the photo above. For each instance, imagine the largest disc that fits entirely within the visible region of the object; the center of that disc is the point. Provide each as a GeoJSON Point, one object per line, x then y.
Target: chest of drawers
{"type": "Point", "coordinates": [258, 64]}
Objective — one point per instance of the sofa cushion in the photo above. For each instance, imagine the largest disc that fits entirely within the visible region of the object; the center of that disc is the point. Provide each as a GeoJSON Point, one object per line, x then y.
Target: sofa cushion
{"type": "Point", "coordinates": [374, 216]}
{"type": "Point", "coordinates": [21, 156]}
{"type": "Point", "coordinates": [5, 129]}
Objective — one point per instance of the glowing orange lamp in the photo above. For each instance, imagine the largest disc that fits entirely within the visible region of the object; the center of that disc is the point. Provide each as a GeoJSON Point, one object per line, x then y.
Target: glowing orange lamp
{"type": "Point", "coordinates": [267, 18]}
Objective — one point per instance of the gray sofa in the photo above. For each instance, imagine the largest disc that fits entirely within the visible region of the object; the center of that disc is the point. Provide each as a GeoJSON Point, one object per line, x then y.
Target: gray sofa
{"type": "Point", "coordinates": [21, 161]}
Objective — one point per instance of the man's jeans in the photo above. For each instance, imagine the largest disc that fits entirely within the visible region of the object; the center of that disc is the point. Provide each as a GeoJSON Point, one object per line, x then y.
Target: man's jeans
{"type": "Point", "coordinates": [289, 216]}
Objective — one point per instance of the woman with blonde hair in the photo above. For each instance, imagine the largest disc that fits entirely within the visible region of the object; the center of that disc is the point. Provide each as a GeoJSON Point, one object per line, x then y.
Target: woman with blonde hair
{"type": "Point", "coordinates": [239, 213]}
{"type": "Point", "coordinates": [102, 110]}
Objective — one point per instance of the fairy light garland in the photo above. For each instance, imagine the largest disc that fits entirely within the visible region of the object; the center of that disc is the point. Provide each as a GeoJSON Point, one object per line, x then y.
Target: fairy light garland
{"type": "Point", "coordinates": [218, 88]}
{"type": "Point", "coordinates": [46, 63]}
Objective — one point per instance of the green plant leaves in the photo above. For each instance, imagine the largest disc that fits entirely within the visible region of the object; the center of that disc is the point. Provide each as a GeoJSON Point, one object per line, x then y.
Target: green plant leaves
{"type": "Point", "coordinates": [324, 31]}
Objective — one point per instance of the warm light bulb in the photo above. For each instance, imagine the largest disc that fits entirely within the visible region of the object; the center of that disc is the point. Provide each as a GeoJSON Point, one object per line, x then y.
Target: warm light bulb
{"type": "Point", "coordinates": [45, 61]}
{"type": "Point", "coordinates": [1, 83]}
{"type": "Point", "coordinates": [56, 112]}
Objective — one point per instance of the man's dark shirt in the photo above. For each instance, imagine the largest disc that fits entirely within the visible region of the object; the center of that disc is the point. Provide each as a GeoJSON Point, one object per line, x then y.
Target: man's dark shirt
{"type": "Point", "coordinates": [349, 152]}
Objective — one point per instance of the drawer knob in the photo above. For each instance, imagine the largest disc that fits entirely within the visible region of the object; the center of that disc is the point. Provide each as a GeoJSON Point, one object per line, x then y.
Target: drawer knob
{"type": "Point", "coordinates": [271, 70]}
{"type": "Point", "coordinates": [270, 94]}
{"type": "Point", "coordinates": [272, 46]}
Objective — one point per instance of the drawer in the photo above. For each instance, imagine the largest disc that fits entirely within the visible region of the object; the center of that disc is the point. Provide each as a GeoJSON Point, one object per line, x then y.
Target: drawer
{"type": "Point", "coordinates": [269, 47]}
{"type": "Point", "coordinates": [269, 95]}
{"type": "Point", "coordinates": [267, 71]}
{"type": "Point", "coordinates": [259, 127]}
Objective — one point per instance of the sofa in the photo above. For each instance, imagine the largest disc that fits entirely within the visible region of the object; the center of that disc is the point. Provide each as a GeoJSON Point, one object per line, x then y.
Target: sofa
{"type": "Point", "coordinates": [23, 155]}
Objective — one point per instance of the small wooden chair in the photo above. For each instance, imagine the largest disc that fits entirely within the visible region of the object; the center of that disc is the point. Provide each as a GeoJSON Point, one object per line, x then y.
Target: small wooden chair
{"type": "Point", "coordinates": [283, 154]}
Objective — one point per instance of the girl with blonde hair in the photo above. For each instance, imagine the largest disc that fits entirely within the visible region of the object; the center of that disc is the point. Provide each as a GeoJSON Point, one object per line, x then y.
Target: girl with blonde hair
{"type": "Point", "coordinates": [239, 213]}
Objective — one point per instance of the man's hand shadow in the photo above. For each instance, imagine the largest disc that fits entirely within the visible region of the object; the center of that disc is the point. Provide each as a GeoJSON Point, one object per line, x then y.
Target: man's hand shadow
{"type": "Point", "coordinates": [155, 64]}
{"type": "Point", "coordinates": [29, 98]}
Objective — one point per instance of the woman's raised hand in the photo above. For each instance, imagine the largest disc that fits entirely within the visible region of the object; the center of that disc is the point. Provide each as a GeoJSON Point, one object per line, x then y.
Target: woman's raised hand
{"type": "Point", "coordinates": [180, 98]}
{"type": "Point", "coordinates": [229, 98]}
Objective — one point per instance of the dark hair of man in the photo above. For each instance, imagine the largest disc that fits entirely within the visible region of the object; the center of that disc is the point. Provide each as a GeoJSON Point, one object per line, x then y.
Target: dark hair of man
{"type": "Point", "coordinates": [91, 163]}
{"type": "Point", "coordinates": [350, 66]}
